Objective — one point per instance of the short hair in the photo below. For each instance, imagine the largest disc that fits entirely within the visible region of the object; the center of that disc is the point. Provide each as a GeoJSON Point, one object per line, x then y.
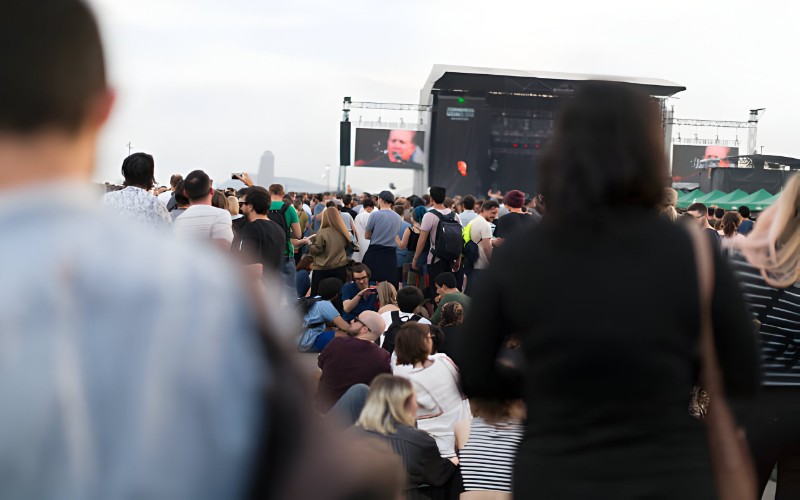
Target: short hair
{"type": "Point", "coordinates": [719, 213]}
{"type": "Point", "coordinates": [276, 190]}
{"type": "Point", "coordinates": [400, 210]}
{"type": "Point", "coordinates": [259, 201]}
{"type": "Point", "coordinates": [409, 298]}
{"type": "Point", "coordinates": [368, 203]}
{"type": "Point", "coordinates": [52, 65]}
{"type": "Point", "coordinates": [196, 185]}
{"type": "Point", "coordinates": [174, 180]}
{"type": "Point", "coordinates": [744, 211]}
{"type": "Point", "coordinates": [180, 196]}
{"type": "Point", "coordinates": [410, 345]}
{"type": "Point", "coordinates": [438, 194]}
{"type": "Point", "coordinates": [699, 208]}
{"type": "Point", "coordinates": [360, 267]}
{"type": "Point", "coordinates": [452, 314]}
{"type": "Point", "coordinates": [219, 200]}
{"type": "Point", "coordinates": [468, 202]}
{"type": "Point", "coordinates": [347, 200]}
{"type": "Point", "coordinates": [426, 198]}
{"type": "Point", "coordinates": [489, 205]}
{"type": "Point", "coordinates": [138, 170]}
{"type": "Point", "coordinates": [447, 279]}
{"type": "Point", "coordinates": [329, 288]}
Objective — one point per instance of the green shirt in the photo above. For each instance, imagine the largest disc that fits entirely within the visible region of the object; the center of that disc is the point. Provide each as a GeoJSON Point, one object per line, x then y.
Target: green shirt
{"type": "Point", "coordinates": [459, 297]}
{"type": "Point", "coordinates": [291, 218]}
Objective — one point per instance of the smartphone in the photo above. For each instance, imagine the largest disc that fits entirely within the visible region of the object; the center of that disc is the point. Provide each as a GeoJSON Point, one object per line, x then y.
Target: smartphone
{"type": "Point", "coordinates": [236, 176]}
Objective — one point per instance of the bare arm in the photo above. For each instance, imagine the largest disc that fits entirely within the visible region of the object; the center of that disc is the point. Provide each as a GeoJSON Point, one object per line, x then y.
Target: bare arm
{"type": "Point", "coordinates": [461, 430]}
{"type": "Point", "coordinates": [295, 229]}
{"type": "Point", "coordinates": [402, 244]}
{"type": "Point", "coordinates": [423, 238]}
{"type": "Point", "coordinates": [340, 323]}
{"type": "Point", "coordinates": [486, 244]}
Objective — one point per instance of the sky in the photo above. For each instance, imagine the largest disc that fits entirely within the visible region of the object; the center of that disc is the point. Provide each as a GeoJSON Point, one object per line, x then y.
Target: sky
{"type": "Point", "coordinates": [212, 85]}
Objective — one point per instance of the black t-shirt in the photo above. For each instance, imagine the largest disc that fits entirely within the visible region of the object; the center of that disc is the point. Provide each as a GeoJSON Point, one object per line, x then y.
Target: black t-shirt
{"type": "Point", "coordinates": [262, 241]}
{"type": "Point", "coordinates": [512, 223]}
{"type": "Point", "coordinates": [714, 238]}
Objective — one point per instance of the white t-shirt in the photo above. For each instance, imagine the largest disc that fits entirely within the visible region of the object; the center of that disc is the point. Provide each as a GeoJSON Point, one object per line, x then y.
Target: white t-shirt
{"type": "Point", "coordinates": [202, 222]}
{"type": "Point", "coordinates": [480, 229]}
{"type": "Point", "coordinates": [360, 224]}
{"type": "Point", "coordinates": [165, 197]}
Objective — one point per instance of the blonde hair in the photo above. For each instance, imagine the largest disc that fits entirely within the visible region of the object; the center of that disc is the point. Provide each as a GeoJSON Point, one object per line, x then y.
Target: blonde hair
{"type": "Point", "coordinates": [386, 405]}
{"type": "Point", "coordinates": [387, 294]}
{"type": "Point", "coordinates": [332, 218]}
{"type": "Point", "coordinates": [773, 246]}
{"type": "Point", "coordinates": [233, 205]}
{"type": "Point", "coordinates": [668, 204]}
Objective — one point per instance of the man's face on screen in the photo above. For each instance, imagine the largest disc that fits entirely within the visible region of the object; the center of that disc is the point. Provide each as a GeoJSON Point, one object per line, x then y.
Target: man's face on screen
{"type": "Point", "coordinates": [401, 142]}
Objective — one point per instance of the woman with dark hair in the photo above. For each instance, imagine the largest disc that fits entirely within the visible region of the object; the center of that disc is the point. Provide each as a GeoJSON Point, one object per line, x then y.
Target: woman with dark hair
{"type": "Point", "coordinates": [611, 343]}
{"type": "Point", "coordinates": [329, 249]}
{"type": "Point", "coordinates": [729, 226]}
{"type": "Point", "coordinates": [436, 382]}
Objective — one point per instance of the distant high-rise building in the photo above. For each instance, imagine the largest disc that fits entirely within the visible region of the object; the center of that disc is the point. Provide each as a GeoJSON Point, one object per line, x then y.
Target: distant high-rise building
{"type": "Point", "coordinates": [266, 169]}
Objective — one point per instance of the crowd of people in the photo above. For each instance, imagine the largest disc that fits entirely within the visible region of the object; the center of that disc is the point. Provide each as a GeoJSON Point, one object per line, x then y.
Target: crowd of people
{"type": "Point", "coordinates": [533, 346]}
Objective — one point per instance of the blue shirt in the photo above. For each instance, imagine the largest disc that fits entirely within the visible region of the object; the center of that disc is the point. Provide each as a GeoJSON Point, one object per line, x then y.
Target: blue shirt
{"type": "Point", "coordinates": [314, 322]}
{"type": "Point", "coordinates": [130, 364]}
{"type": "Point", "coordinates": [367, 303]}
{"type": "Point", "coordinates": [384, 225]}
{"type": "Point", "coordinates": [404, 256]}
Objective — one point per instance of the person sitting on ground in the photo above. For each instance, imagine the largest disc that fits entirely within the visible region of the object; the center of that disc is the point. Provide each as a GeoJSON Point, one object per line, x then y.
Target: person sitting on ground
{"type": "Point", "coordinates": [409, 298]}
{"type": "Point", "coordinates": [387, 297]}
{"type": "Point", "coordinates": [358, 295]}
{"type": "Point", "coordinates": [351, 359]}
{"type": "Point", "coordinates": [389, 414]}
{"type": "Point", "coordinates": [452, 319]}
{"type": "Point", "coordinates": [436, 383]}
{"type": "Point", "coordinates": [320, 315]}
{"type": "Point", "coordinates": [447, 291]}
{"type": "Point", "coordinates": [302, 277]}
{"type": "Point", "coordinates": [487, 446]}
{"type": "Point", "coordinates": [201, 221]}
{"type": "Point", "coordinates": [135, 201]}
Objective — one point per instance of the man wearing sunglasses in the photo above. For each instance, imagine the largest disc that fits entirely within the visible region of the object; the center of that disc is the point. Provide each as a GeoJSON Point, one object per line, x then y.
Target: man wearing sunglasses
{"type": "Point", "coordinates": [351, 359]}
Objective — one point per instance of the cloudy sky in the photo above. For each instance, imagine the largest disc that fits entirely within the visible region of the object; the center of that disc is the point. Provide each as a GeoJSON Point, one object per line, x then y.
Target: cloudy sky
{"type": "Point", "coordinates": [212, 85]}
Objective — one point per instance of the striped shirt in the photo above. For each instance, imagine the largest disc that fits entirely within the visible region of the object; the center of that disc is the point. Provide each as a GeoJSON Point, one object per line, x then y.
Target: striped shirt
{"type": "Point", "coordinates": [487, 460]}
{"type": "Point", "coordinates": [779, 334]}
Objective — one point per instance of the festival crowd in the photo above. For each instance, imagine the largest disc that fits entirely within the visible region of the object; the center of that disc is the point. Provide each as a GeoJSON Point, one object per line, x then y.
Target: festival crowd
{"type": "Point", "coordinates": [587, 341]}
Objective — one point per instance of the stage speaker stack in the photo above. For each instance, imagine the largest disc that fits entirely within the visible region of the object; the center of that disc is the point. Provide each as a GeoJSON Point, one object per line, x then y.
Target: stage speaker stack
{"type": "Point", "coordinates": [344, 143]}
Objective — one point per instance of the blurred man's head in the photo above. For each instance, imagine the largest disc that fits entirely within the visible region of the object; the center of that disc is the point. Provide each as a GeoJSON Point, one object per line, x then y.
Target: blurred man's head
{"type": "Point", "coordinates": [54, 96]}
{"type": "Point", "coordinates": [401, 145]}
{"type": "Point", "coordinates": [197, 186]}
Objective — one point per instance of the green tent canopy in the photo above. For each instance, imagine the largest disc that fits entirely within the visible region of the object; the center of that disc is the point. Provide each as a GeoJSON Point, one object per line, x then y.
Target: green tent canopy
{"type": "Point", "coordinates": [689, 198]}
{"type": "Point", "coordinates": [755, 202]}
{"type": "Point", "coordinates": [730, 200]}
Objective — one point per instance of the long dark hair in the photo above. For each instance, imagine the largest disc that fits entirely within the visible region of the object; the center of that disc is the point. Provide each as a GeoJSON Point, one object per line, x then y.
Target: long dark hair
{"type": "Point", "coordinates": [606, 152]}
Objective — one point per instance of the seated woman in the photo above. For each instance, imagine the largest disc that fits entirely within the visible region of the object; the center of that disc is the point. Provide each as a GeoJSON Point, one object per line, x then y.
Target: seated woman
{"type": "Point", "coordinates": [321, 319]}
{"type": "Point", "coordinates": [387, 297]}
{"type": "Point", "coordinates": [487, 446]}
{"type": "Point", "coordinates": [436, 383]}
{"type": "Point", "coordinates": [389, 414]}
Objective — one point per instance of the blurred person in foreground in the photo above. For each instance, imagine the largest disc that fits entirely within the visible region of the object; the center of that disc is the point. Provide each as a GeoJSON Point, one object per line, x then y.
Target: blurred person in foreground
{"type": "Point", "coordinates": [607, 374]}
{"type": "Point", "coordinates": [132, 366]}
{"type": "Point", "coordinates": [769, 270]}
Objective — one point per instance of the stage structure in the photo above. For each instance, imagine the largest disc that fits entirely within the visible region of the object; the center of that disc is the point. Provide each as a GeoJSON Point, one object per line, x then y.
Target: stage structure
{"type": "Point", "coordinates": [489, 127]}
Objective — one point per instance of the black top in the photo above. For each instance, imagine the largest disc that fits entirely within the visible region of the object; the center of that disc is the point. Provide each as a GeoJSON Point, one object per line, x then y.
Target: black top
{"type": "Point", "coordinates": [262, 241]}
{"type": "Point", "coordinates": [608, 317]}
{"type": "Point", "coordinates": [421, 460]}
{"type": "Point", "coordinates": [512, 223]}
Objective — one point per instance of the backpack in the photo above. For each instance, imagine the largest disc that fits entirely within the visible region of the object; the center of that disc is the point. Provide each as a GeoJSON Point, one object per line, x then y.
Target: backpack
{"type": "Point", "coordinates": [449, 244]}
{"type": "Point", "coordinates": [279, 217]}
{"type": "Point", "coordinates": [471, 251]}
{"type": "Point", "coordinates": [390, 336]}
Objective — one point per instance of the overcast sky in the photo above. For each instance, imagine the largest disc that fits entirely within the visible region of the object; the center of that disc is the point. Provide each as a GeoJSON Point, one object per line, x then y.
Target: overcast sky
{"type": "Point", "coordinates": [212, 85]}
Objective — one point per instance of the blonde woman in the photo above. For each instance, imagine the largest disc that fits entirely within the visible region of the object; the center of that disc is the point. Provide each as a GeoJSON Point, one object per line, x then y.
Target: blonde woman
{"type": "Point", "coordinates": [387, 297]}
{"type": "Point", "coordinates": [389, 414]}
{"type": "Point", "coordinates": [769, 274]}
{"type": "Point", "coordinates": [329, 249]}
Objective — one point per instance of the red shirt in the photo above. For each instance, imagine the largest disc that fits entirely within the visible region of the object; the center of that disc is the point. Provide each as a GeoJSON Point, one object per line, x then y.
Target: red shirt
{"type": "Point", "coordinates": [347, 361]}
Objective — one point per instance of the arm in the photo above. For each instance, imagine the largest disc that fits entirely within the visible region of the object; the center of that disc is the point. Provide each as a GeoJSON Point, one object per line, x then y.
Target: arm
{"type": "Point", "coordinates": [350, 304]}
{"type": "Point", "coordinates": [295, 229]}
{"type": "Point", "coordinates": [423, 238]}
{"type": "Point", "coordinates": [340, 324]}
{"type": "Point", "coordinates": [245, 177]}
{"type": "Point", "coordinates": [437, 315]}
{"type": "Point", "coordinates": [461, 430]}
{"type": "Point", "coordinates": [367, 234]}
{"type": "Point", "coordinates": [436, 470]}
{"type": "Point", "coordinates": [402, 244]}
{"type": "Point", "coordinates": [486, 244]}
{"type": "Point", "coordinates": [369, 228]}
{"type": "Point", "coordinates": [318, 246]}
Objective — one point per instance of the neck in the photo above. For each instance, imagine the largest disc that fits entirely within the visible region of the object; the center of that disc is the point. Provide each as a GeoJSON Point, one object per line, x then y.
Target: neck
{"type": "Point", "coordinates": [438, 206]}
{"type": "Point", "coordinates": [201, 201]}
{"type": "Point", "coordinates": [45, 157]}
{"type": "Point", "coordinates": [276, 198]}
{"type": "Point", "coordinates": [252, 216]}
{"type": "Point", "coordinates": [514, 210]}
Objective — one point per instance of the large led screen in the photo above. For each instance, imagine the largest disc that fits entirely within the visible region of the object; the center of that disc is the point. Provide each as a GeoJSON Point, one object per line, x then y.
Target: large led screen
{"type": "Point", "coordinates": [389, 148]}
{"type": "Point", "coordinates": [687, 159]}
